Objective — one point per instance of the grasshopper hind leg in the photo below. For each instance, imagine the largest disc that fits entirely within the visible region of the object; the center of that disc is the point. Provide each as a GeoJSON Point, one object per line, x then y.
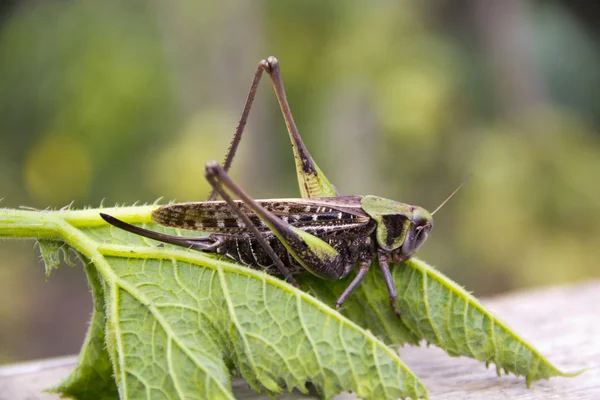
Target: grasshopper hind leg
{"type": "Point", "coordinates": [216, 175]}
{"type": "Point", "coordinates": [313, 183]}
{"type": "Point", "coordinates": [312, 253]}
{"type": "Point", "coordinates": [202, 243]}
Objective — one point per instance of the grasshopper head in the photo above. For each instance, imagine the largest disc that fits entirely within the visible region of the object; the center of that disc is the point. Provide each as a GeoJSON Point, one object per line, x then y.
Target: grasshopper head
{"type": "Point", "coordinates": [401, 228]}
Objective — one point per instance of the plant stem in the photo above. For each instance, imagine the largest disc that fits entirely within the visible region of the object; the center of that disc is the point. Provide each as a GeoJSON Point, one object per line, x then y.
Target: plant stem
{"type": "Point", "coordinates": [28, 224]}
{"type": "Point", "coordinates": [46, 224]}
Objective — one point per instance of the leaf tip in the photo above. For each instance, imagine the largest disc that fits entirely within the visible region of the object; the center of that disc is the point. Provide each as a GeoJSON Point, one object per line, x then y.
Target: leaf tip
{"type": "Point", "coordinates": [572, 374]}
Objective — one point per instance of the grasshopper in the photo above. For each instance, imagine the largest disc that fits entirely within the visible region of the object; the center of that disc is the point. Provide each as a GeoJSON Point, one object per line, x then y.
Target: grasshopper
{"type": "Point", "coordinates": [322, 232]}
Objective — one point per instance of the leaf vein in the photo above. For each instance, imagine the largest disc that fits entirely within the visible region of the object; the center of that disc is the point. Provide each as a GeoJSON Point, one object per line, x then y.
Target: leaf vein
{"type": "Point", "coordinates": [378, 311]}
{"type": "Point", "coordinates": [172, 373]}
{"type": "Point", "coordinates": [378, 369]}
{"type": "Point", "coordinates": [103, 265]}
{"type": "Point", "coordinates": [118, 337]}
{"type": "Point", "coordinates": [493, 339]}
{"type": "Point", "coordinates": [467, 340]}
{"type": "Point", "coordinates": [309, 337]}
{"type": "Point", "coordinates": [146, 384]}
{"type": "Point", "coordinates": [428, 311]}
{"type": "Point", "coordinates": [416, 326]}
{"type": "Point", "coordinates": [271, 346]}
{"type": "Point", "coordinates": [449, 315]}
{"type": "Point", "coordinates": [350, 363]}
{"type": "Point", "coordinates": [235, 322]}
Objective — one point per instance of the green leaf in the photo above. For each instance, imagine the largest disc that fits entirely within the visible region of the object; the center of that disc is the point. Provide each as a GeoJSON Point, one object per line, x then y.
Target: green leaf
{"type": "Point", "coordinates": [436, 310]}
{"type": "Point", "coordinates": [174, 323]}
{"type": "Point", "coordinates": [92, 377]}
{"type": "Point", "coordinates": [444, 314]}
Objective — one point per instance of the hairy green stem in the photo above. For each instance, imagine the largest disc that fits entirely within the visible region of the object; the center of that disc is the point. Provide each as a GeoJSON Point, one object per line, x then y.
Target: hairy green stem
{"type": "Point", "coordinates": [27, 224]}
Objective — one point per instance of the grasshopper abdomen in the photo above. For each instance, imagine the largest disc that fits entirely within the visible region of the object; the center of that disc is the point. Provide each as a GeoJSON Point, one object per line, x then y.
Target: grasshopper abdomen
{"type": "Point", "coordinates": [352, 246]}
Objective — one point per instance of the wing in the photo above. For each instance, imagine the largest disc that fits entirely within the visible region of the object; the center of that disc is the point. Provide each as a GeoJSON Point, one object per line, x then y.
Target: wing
{"type": "Point", "coordinates": [336, 213]}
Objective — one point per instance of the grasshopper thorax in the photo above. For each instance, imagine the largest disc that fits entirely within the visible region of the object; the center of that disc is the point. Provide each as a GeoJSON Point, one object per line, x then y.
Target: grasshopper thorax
{"type": "Point", "coordinates": [401, 228]}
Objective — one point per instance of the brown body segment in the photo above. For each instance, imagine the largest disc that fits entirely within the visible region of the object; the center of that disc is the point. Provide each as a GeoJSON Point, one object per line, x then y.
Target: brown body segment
{"type": "Point", "coordinates": [335, 213]}
{"type": "Point", "coordinates": [339, 221]}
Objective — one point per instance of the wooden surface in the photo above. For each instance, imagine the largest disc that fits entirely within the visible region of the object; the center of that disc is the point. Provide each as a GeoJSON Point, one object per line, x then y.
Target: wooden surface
{"type": "Point", "coordinates": [563, 323]}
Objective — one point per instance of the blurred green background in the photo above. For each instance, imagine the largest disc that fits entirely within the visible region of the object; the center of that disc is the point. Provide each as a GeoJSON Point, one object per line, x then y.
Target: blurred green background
{"type": "Point", "coordinates": [125, 101]}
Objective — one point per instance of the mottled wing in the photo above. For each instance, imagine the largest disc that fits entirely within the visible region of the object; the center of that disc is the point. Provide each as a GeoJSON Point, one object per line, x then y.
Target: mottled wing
{"type": "Point", "coordinates": [333, 213]}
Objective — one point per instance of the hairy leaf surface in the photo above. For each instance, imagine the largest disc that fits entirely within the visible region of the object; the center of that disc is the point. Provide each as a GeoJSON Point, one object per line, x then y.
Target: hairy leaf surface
{"type": "Point", "coordinates": [437, 310]}
{"type": "Point", "coordinates": [93, 376]}
{"type": "Point", "coordinates": [172, 323]}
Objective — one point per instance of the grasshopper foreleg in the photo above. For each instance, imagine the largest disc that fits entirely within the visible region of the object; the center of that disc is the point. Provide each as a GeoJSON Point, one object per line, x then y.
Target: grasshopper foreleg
{"type": "Point", "coordinates": [362, 272]}
{"type": "Point", "coordinates": [389, 281]}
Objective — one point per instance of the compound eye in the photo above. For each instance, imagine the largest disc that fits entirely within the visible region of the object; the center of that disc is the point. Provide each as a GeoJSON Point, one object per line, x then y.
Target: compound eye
{"type": "Point", "coordinates": [421, 233]}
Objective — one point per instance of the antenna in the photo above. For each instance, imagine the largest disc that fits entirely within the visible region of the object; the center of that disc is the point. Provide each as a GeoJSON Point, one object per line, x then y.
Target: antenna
{"type": "Point", "coordinates": [453, 193]}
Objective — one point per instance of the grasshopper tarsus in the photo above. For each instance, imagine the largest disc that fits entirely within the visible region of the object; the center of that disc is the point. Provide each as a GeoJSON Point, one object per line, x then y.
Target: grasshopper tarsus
{"type": "Point", "coordinates": [395, 307]}
{"type": "Point", "coordinates": [292, 281]}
